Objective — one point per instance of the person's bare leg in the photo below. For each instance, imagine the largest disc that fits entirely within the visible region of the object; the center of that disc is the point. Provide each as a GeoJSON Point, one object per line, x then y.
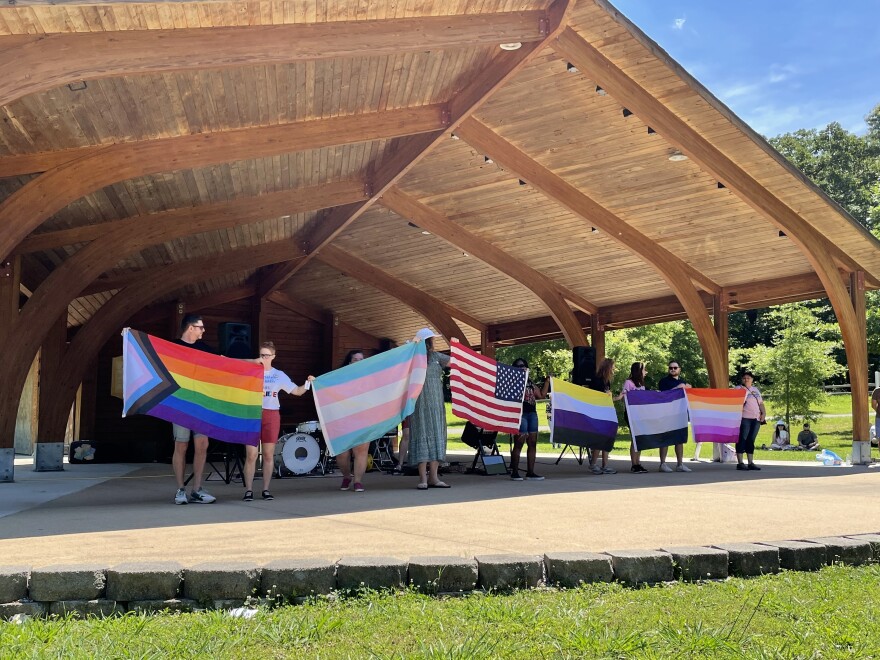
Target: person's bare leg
{"type": "Point", "coordinates": [360, 461]}
{"type": "Point", "coordinates": [200, 445]}
{"type": "Point", "coordinates": [343, 460]}
{"type": "Point", "coordinates": [635, 457]}
{"type": "Point", "coordinates": [434, 472]}
{"type": "Point", "coordinates": [531, 452]}
{"type": "Point", "coordinates": [178, 462]}
{"type": "Point", "coordinates": [404, 447]}
{"type": "Point", "coordinates": [250, 466]}
{"type": "Point", "coordinates": [423, 473]}
{"type": "Point", "coordinates": [663, 453]}
{"type": "Point", "coordinates": [679, 453]}
{"type": "Point", "coordinates": [268, 463]}
{"type": "Point", "coordinates": [515, 452]}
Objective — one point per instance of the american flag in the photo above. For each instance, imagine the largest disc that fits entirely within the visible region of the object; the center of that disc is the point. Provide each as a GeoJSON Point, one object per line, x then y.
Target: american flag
{"type": "Point", "coordinates": [485, 392]}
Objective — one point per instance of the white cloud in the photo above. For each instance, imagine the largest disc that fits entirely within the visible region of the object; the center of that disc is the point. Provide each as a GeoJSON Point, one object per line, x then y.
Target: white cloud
{"type": "Point", "coordinates": [678, 23]}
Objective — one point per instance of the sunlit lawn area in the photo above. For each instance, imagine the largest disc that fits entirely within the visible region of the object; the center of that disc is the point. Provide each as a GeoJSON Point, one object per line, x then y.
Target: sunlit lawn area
{"type": "Point", "coordinates": [831, 614]}
{"type": "Point", "coordinates": [835, 433]}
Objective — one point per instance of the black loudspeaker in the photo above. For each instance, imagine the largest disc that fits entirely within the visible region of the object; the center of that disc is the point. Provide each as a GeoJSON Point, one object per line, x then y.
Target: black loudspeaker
{"type": "Point", "coordinates": [584, 371]}
{"type": "Point", "coordinates": [235, 340]}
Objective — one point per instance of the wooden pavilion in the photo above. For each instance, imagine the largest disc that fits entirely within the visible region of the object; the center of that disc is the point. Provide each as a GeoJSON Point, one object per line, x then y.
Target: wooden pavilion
{"type": "Point", "coordinates": [334, 172]}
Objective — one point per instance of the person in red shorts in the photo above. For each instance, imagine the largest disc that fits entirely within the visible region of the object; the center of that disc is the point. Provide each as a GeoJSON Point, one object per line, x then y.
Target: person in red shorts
{"type": "Point", "coordinates": [273, 382]}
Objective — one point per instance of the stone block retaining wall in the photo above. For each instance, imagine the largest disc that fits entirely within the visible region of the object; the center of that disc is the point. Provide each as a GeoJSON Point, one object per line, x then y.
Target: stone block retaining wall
{"type": "Point", "coordinates": [157, 586]}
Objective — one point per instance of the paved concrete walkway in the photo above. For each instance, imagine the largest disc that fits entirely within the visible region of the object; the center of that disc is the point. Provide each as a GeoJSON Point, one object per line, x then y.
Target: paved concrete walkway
{"type": "Point", "coordinates": [114, 513]}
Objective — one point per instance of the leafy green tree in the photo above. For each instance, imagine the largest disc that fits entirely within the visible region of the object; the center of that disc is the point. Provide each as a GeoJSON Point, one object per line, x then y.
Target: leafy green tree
{"type": "Point", "coordinates": [793, 369]}
{"type": "Point", "coordinates": [544, 358]}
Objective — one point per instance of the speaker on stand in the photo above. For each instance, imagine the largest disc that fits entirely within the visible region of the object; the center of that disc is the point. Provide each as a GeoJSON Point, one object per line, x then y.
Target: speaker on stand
{"type": "Point", "coordinates": [584, 358]}
{"type": "Point", "coordinates": [235, 340]}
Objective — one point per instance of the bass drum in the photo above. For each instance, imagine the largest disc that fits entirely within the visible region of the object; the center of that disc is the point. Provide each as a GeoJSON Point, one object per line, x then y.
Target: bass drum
{"type": "Point", "coordinates": [297, 453]}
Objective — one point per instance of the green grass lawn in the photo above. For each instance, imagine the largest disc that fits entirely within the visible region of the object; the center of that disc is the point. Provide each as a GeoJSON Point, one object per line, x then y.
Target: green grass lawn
{"type": "Point", "coordinates": [831, 614]}
{"type": "Point", "coordinates": [835, 433]}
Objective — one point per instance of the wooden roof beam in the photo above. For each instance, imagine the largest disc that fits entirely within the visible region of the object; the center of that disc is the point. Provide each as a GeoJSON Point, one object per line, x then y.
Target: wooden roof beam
{"type": "Point", "coordinates": [435, 311]}
{"type": "Point", "coordinates": [822, 254]}
{"type": "Point", "coordinates": [24, 210]}
{"type": "Point", "coordinates": [187, 221]}
{"type": "Point", "coordinates": [550, 293]}
{"type": "Point", "coordinates": [490, 78]}
{"type": "Point", "coordinates": [678, 275]}
{"type": "Point", "coordinates": [35, 63]}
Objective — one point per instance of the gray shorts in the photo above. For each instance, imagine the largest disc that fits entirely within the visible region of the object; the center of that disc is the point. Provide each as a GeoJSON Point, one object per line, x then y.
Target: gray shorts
{"type": "Point", "coordinates": [182, 434]}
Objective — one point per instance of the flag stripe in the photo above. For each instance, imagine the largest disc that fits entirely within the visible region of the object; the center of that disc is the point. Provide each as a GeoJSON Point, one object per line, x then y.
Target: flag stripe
{"type": "Point", "coordinates": [665, 439]}
{"type": "Point", "coordinates": [715, 414]}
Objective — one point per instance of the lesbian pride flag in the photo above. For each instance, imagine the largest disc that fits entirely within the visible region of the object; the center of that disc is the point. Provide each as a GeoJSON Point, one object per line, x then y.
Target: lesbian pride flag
{"type": "Point", "coordinates": [715, 414]}
{"type": "Point", "coordinates": [217, 396]}
{"type": "Point", "coordinates": [364, 400]}
{"type": "Point", "coordinates": [657, 419]}
{"type": "Point", "coordinates": [582, 417]}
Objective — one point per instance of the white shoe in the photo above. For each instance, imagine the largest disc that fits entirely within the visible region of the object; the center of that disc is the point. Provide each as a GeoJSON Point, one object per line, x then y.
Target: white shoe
{"type": "Point", "coordinates": [201, 496]}
{"type": "Point", "coordinates": [681, 467]}
{"type": "Point", "coordinates": [665, 468]}
{"type": "Point", "coordinates": [596, 469]}
{"type": "Point", "coordinates": [180, 497]}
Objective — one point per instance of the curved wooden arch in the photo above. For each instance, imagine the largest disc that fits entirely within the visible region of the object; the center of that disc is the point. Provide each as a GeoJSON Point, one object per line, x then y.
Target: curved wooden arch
{"type": "Point", "coordinates": [679, 276]}
{"type": "Point", "coordinates": [820, 252]}
{"type": "Point", "coordinates": [436, 312]}
{"type": "Point", "coordinates": [551, 294]}
{"type": "Point", "coordinates": [35, 63]}
{"type": "Point", "coordinates": [25, 209]}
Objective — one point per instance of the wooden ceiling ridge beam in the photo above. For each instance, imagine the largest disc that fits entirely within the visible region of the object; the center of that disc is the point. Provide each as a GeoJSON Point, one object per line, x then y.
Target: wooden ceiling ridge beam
{"type": "Point", "coordinates": [191, 220]}
{"type": "Point", "coordinates": [708, 157]}
{"type": "Point", "coordinates": [678, 275]}
{"type": "Point", "coordinates": [549, 292]}
{"type": "Point", "coordinates": [35, 63]}
{"type": "Point", "coordinates": [39, 199]}
{"type": "Point", "coordinates": [485, 82]}
{"type": "Point", "coordinates": [437, 312]}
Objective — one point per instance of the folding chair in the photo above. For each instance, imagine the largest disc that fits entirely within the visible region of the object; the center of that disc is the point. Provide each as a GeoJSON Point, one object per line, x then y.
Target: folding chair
{"type": "Point", "coordinates": [487, 452]}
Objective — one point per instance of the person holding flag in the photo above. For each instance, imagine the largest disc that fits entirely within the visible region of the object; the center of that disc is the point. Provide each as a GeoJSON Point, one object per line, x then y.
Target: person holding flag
{"type": "Point", "coordinates": [528, 428]}
{"type": "Point", "coordinates": [427, 445]}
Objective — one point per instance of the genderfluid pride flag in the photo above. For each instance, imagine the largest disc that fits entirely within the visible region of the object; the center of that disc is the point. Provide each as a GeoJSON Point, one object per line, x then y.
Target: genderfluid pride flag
{"type": "Point", "coordinates": [364, 400]}
{"type": "Point", "coordinates": [715, 414]}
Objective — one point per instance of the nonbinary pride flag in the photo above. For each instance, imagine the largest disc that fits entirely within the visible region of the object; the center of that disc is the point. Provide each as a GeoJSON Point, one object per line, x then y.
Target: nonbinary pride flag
{"type": "Point", "coordinates": [581, 416]}
{"type": "Point", "coordinates": [715, 414]}
{"type": "Point", "coordinates": [210, 394]}
{"type": "Point", "coordinates": [485, 392]}
{"type": "Point", "coordinates": [364, 400]}
{"type": "Point", "coordinates": [657, 419]}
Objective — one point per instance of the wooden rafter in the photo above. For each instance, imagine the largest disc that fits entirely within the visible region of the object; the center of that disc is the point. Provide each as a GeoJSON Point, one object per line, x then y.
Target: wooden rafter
{"type": "Point", "coordinates": [678, 275]}
{"type": "Point", "coordinates": [822, 254]}
{"type": "Point", "coordinates": [40, 62]}
{"type": "Point", "coordinates": [177, 223]}
{"type": "Point", "coordinates": [550, 293]}
{"type": "Point", "coordinates": [25, 209]}
{"type": "Point", "coordinates": [435, 311]}
{"type": "Point", "coordinates": [502, 68]}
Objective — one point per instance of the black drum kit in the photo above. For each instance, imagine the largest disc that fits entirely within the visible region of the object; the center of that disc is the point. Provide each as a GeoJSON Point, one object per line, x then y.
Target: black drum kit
{"type": "Point", "coordinates": [304, 453]}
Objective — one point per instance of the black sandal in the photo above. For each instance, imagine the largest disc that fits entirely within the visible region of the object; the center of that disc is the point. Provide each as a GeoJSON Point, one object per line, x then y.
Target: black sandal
{"type": "Point", "coordinates": [248, 496]}
{"type": "Point", "coordinates": [267, 495]}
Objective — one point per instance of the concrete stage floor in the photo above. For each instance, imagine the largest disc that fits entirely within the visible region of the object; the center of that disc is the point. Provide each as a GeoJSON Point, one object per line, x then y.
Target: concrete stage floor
{"type": "Point", "coordinates": [114, 513]}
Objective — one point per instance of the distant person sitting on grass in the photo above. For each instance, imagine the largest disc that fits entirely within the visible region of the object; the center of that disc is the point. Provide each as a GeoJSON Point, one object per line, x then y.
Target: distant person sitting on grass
{"type": "Point", "coordinates": [781, 439]}
{"type": "Point", "coordinates": [807, 440]}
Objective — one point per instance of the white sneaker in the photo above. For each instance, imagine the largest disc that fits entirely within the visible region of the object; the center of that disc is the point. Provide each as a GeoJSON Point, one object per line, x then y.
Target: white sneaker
{"type": "Point", "coordinates": [180, 497]}
{"type": "Point", "coordinates": [682, 468]}
{"type": "Point", "coordinates": [596, 469]}
{"type": "Point", "coordinates": [201, 496]}
{"type": "Point", "coordinates": [665, 468]}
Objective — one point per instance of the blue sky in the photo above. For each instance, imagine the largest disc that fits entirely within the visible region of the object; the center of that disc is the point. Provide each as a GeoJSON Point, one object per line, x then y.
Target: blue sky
{"type": "Point", "coordinates": [780, 65]}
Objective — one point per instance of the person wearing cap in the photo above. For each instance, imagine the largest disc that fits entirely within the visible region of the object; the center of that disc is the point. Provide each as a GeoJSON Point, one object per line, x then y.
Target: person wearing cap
{"type": "Point", "coordinates": [807, 439]}
{"type": "Point", "coordinates": [752, 417]}
{"type": "Point", "coordinates": [427, 443]}
{"type": "Point", "coordinates": [781, 438]}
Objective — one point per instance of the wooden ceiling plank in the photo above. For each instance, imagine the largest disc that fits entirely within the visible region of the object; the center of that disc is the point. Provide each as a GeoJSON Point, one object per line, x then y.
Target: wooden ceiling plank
{"type": "Point", "coordinates": [549, 292]}
{"type": "Point", "coordinates": [418, 300]}
{"type": "Point", "coordinates": [489, 79]}
{"type": "Point", "coordinates": [188, 221]}
{"type": "Point", "coordinates": [36, 63]}
{"type": "Point", "coordinates": [287, 301]}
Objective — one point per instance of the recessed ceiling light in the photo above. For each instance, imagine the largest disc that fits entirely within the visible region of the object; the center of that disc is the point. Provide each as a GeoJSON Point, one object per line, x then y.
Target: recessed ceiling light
{"type": "Point", "coordinates": [676, 156]}
{"type": "Point", "coordinates": [513, 45]}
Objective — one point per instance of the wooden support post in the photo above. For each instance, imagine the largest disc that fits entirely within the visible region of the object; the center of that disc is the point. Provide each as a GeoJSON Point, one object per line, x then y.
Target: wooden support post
{"type": "Point", "coordinates": [10, 283]}
{"type": "Point", "coordinates": [597, 337]}
{"type": "Point", "coordinates": [49, 451]}
{"type": "Point", "coordinates": [487, 348]}
{"type": "Point", "coordinates": [858, 374]}
{"type": "Point", "coordinates": [720, 320]}
{"type": "Point", "coordinates": [87, 405]}
{"type": "Point", "coordinates": [178, 311]}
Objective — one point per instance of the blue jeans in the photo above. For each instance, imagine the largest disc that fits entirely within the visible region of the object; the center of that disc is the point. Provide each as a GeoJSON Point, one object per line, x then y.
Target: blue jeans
{"type": "Point", "coordinates": [528, 423]}
{"type": "Point", "coordinates": [748, 431]}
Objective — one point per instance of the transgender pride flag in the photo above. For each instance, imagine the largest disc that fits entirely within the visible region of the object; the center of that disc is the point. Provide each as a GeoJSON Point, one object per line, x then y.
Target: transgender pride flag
{"type": "Point", "coordinates": [657, 419]}
{"type": "Point", "coordinates": [364, 400]}
{"type": "Point", "coordinates": [715, 414]}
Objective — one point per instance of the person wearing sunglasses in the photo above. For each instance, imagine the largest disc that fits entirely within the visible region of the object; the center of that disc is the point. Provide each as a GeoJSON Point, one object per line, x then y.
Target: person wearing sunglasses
{"type": "Point", "coordinates": [274, 381]}
{"type": "Point", "coordinates": [192, 329]}
{"type": "Point", "coordinates": [673, 381]}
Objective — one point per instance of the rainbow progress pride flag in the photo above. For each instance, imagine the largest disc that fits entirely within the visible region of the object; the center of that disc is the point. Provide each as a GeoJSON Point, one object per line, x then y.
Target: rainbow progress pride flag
{"type": "Point", "coordinates": [364, 400]}
{"type": "Point", "coordinates": [210, 394]}
{"type": "Point", "coordinates": [581, 416]}
{"type": "Point", "coordinates": [715, 414]}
